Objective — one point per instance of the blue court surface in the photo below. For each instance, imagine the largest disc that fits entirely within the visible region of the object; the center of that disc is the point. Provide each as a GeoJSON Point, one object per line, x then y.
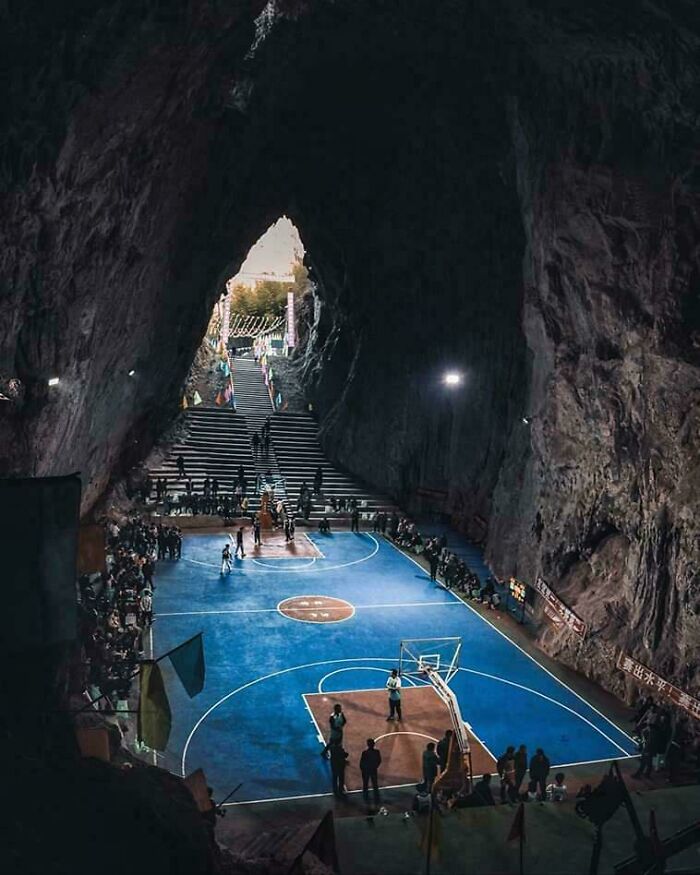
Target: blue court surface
{"type": "Point", "coordinates": [251, 724]}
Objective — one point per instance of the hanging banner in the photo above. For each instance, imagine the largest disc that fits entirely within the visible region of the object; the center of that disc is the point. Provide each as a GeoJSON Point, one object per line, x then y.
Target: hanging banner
{"type": "Point", "coordinates": [648, 678]}
{"type": "Point", "coordinates": [291, 321]}
{"type": "Point", "coordinates": [559, 610]}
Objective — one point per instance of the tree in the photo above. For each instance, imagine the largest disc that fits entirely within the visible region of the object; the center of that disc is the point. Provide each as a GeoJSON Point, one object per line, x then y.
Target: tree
{"type": "Point", "coordinates": [269, 297]}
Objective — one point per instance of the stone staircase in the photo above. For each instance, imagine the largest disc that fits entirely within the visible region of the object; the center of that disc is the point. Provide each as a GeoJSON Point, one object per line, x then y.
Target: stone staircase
{"type": "Point", "coordinates": [216, 444]}
{"type": "Point", "coordinates": [219, 440]}
{"type": "Point", "coordinates": [299, 454]}
{"type": "Point", "coordinates": [296, 452]}
{"type": "Point", "coordinates": [253, 401]}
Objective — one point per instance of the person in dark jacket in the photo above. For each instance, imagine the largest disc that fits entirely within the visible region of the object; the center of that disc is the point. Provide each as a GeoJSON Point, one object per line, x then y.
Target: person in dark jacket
{"type": "Point", "coordinates": [482, 792]}
{"type": "Point", "coordinates": [646, 754]}
{"type": "Point", "coordinates": [539, 769]}
{"type": "Point", "coordinates": [430, 765]}
{"type": "Point", "coordinates": [443, 749]}
{"type": "Point", "coordinates": [339, 759]}
{"type": "Point", "coordinates": [520, 766]}
{"type": "Point", "coordinates": [370, 761]}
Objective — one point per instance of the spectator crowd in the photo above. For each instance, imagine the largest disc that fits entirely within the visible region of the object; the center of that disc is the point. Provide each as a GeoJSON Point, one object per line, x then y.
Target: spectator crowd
{"type": "Point", "coordinates": [116, 608]}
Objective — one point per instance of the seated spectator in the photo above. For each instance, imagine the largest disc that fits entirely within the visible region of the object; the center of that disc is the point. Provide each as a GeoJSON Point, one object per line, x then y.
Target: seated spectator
{"type": "Point", "coordinates": [324, 526]}
{"type": "Point", "coordinates": [556, 792]}
{"type": "Point", "coordinates": [482, 791]}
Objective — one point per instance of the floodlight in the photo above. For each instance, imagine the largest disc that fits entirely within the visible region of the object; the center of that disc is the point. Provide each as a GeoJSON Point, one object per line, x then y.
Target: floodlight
{"type": "Point", "coordinates": [54, 381]}
{"type": "Point", "coordinates": [452, 378]}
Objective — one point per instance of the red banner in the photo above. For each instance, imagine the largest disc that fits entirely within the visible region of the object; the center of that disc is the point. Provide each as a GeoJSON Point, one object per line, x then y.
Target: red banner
{"type": "Point", "coordinates": [648, 678]}
{"type": "Point", "coordinates": [555, 606]}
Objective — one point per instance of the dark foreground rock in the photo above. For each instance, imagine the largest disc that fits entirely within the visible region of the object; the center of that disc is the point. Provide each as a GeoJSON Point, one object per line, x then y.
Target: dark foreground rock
{"type": "Point", "coordinates": [507, 188]}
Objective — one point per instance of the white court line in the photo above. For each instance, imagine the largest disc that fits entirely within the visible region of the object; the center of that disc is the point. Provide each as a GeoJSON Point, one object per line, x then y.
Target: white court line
{"type": "Point", "coordinates": [274, 610]}
{"type": "Point", "coordinates": [309, 563]}
{"type": "Point", "coordinates": [154, 754]}
{"type": "Point", "coordinates": [267, 677]}
{"type": "Point", "coordinates": [405, 732]}
{"type": "Point", "coordinates": [317, 569]}
{"type": "Point", "coordinates": [494, 677]}
{"type": "Point", "coordinates": [375, 659]}
{"type": "Point", "coordinates": [319, 734]}
{"type": "Point", "coordinates": [353, 668]}
{"type": "Point", "coordinates": [412, 784]}
{"type": "Point", "coordinates": [313, 795]}
{"type": "Point", "coordinates": [529, 656]}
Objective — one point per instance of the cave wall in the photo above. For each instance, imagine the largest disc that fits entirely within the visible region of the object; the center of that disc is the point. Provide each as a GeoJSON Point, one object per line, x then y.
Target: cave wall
{"type": "Point", "coordinates": [507, 188]}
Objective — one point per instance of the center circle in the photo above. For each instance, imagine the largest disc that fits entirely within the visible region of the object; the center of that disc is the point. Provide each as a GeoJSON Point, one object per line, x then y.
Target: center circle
{"type": "Point", "coordinates": [316, 609]}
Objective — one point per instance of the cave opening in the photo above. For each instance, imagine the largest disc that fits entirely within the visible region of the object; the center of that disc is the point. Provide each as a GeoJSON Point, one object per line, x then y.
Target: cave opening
{"type": "Point", "coordinates": [262, 298]}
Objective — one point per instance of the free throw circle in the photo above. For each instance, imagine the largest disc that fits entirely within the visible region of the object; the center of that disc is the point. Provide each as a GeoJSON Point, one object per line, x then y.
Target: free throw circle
{"type": "Point", "coordinates": [316, 609]}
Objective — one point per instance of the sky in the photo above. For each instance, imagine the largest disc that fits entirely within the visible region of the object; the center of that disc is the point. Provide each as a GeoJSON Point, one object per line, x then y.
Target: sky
{"type": "Point", "coordinates": [272, 254]}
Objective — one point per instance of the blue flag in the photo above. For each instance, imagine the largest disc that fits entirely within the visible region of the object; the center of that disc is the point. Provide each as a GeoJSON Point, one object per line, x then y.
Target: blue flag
{"type": "Point", "coordinates": [188, 662]}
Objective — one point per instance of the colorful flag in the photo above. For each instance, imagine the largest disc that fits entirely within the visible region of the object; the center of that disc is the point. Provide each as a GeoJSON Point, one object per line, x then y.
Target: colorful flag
{"type": "Point", "coordinates": [197, 398]}
{"type": "Point", "coordinates": [188, 662]}
{"type": "Point", "coordinates": [154, 717]}
{"type": "Point", "coordinates": [185, 405]}
{"type": "Point", "coordinates": [220, 399]}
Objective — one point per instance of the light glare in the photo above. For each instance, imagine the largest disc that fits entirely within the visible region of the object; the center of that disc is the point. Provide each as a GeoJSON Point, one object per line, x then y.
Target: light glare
{"type": "Point", "coordinates": [54, 381]}
{"type": "Point", "coordinates": [452, 378]}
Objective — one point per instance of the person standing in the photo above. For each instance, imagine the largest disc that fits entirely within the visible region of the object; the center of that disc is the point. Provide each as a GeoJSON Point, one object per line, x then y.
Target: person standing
{"type": "Point", "coordinates": [226, 560]}
{"type": "Point", "coordinates": [505, 766]}
{"type": "Point", "coordinates": [434, 560]}
{"type": "Point", "coordinates": [539, 770]}
{"type": "Point", "coordinates": [256, 530]}
{"type": "Point", "coordinates": [147, 607]}
{"type": "Point", "coordinates": [355, 520]}
{"type": "Point", "coordinates": [393, 685]}
{"type": "Point", "coordinates": [239, 543]}
{"type": "Point", "coordinates": [318, 480]}
{"type": "Point", "coordinates": [646, 751]}
{"type": "Point", "coordinates": [370, 761]}
{"type": "Point", "coordinates": [520, 767]}
{"type": "Point", "coordinates": [336, 723]}
{"type": "Point", "coordinates": [443, 749]}
{"type": "Point", "coordinates": [430, 765]}
{"type": "Point", "coordinates": [339, 760]}
{"type": "Point", "coordinates": [256, 443]}
{"type": "Point", "coordinates": [181, 467]}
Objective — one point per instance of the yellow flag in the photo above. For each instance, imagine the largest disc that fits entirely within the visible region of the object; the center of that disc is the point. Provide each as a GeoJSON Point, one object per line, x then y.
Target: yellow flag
{"type": "Point", "coordinates": [185, 405]}
{"type": "Point", "coordinates": [154, 708]}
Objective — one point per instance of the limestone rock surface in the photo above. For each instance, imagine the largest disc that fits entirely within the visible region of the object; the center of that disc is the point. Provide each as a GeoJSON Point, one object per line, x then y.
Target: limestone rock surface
{"type": "Point", "coordinates": [505, 188]}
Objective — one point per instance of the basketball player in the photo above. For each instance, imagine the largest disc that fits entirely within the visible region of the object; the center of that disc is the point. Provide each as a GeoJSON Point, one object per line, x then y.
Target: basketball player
{"type": "Point", "coordinates": [226, 560]}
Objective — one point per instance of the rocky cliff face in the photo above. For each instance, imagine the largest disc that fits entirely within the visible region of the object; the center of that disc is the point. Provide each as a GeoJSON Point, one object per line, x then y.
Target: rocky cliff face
{"type": "Point", "coordinates": [508, 189]}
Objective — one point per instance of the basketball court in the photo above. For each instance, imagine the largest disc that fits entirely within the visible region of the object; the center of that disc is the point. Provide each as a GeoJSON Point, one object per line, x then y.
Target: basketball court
{"type": "Point", "coordinates": [288, 636]}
